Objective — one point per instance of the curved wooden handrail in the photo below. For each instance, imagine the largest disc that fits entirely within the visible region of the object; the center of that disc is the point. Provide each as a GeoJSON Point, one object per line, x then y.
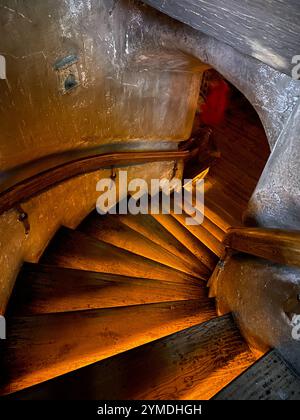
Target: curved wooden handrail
{"type": "Point", "coordinates": [36, 184]}
{"type": "Point", "coordinates": [277, 245]}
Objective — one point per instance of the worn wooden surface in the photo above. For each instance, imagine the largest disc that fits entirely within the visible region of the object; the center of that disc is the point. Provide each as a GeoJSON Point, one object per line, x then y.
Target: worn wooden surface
{"type": "Point", "coordinates": [49, 178]}
{"type": "Point", "coordinates": [192, 364]}
{"type": "Point", "coordinates": [147, 226]}
{"type": "Point", "coordinates": [202, 252]}
{"type": "Point", "coordinates": [220, 207]}
{"type": "Point", "coordinates": [44, 346]}
{"type": "Point", "coordinates": [45, 289]}
{"type": "Point", "coordinates": [213, 229]}
{"type": "Point", "coordinates": [243, 144]}
{"type": "Point", "coordinates": [268, 379]}
{"type": "Point", "coordinates": [276, 245]}
{"type": "Point", "coordinates": [109, 229]}
{"type": "Point", "coordinates": [267, 30]}
{"type": "Point", "coordinates": [202, 234]}
{"type": "Point", "coordinates": [72, 249]}
{"type": "Point", "coordinates": [244, 150]}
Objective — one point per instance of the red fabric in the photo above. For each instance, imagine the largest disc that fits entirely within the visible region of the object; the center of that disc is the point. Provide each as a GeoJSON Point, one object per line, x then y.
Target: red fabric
{"type": "Point", "coordinates": [213, 111]}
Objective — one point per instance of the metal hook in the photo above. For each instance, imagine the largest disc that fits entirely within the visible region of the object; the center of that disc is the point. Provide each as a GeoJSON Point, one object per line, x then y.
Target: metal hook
{"type": "Point", "coordinates": [23, 218]}
{"type": "Point", "coordinates": [113, 174]}
{"type": "Point", "coordinates": [175, 169]}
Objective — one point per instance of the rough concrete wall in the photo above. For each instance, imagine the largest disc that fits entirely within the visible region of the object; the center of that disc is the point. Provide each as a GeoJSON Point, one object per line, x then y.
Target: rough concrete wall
{"type": "Point", "coordinates": [276, 200]}
{"type": "Point", "coordinates": [263, 298]}
{"type": "Point", "coordinates": [267, 30]}
{"type": "Point", "coordinates": [129, 88]}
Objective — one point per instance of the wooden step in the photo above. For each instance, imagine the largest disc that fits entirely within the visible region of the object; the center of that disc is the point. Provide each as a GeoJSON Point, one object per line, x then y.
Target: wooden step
{"type": "Point", "coordinates": [234, 179]}
{"type": "Point", "coordinates": [47, 289]}
{"type": "Point", "coordinates": [111, 230]}
{"type": "Point", "coordinates": [248, 157]}
{"type": "Point", "coordinates": [213, 229]}
{"type": "Point", "coordinates": [208, 233]}
{"type": "Point", "coordinates": [72, 249]}
{"type": "Point", "coordinates": [41, 347]}
{"type": "Point", "coordinates": [205, 255]}
{"type": "Point", "coordinates": [220, 207]}
{"type": "Point", "coordinates": [268, 379]}
{"type": "Point", "coordinates": [203, 235]}
{"type": "Point", "coordinates": [192, 364]}
{"type": "Point", "coordinates": [207, 224]}
{"type": "Point", "coordinates": [147, 226]}
{"type": "Point", "coordinates": [223, 209]}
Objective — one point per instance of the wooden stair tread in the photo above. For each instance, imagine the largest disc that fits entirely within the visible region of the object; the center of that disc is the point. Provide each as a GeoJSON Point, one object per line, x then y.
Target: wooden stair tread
{"type": "Point", "coordinates": [192, 364]}
{"type": "Point", "coordinates": [147, 226]}
{"type": "Point", "coordinates": [41, 347]}
{"type": "Point", "coordinates": [109, 229]}
{"type": "Point", "coordinates": [73, 249]}
{"type": "Point", "coordinates": [236, 180]}
{"type": "Point", "coordinates": [221, 210]}
{"type": "Point", "coordinates": [47, 289]}
{"type": "Point", "coordinates": [248, 159]}
{"type": "Point", "coordinates": [202, 234]}
{"type": "Point", "coordinates": [242, 143]}
{"type": "Point", "coordinates": [268, 379]}
{"type": "Point", "coordinates": [213, 229]}
{"type": "Point", "coordinates": [203, 253]}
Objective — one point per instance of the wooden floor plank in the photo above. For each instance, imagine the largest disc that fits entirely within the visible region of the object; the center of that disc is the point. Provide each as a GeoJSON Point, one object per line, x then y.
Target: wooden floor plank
{"type": "Point", "coordinates": [221, 207]}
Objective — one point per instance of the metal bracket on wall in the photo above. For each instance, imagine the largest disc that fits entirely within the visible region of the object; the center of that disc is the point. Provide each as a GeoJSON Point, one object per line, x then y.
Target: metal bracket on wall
{"type": "Point", "coordinates": [23, 218]}
{"type": "Point", "coordinates": [113, 174]}
{"type": "Point", "coordinates": [68, 73]}
{"type": "Point", "coordinates": [175, 169]}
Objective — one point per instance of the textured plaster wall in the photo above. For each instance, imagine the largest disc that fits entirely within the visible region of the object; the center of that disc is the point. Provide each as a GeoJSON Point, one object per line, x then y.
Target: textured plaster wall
{"type": "Point", "coordinates": [276, 98]}
{"type": "Point", "coordinates": [263, 298]}
{"type": "Point", "coordinates": [276, 200]}
{"type": "Point", "coordinates": [266, 30]}
{"type": "Point", "coordinates": [131, 89]}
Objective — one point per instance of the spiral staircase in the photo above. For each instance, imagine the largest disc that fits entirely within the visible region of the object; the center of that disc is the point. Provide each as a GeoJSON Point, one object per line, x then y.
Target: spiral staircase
{"type": "Point", "coordinates": [120, 308]}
